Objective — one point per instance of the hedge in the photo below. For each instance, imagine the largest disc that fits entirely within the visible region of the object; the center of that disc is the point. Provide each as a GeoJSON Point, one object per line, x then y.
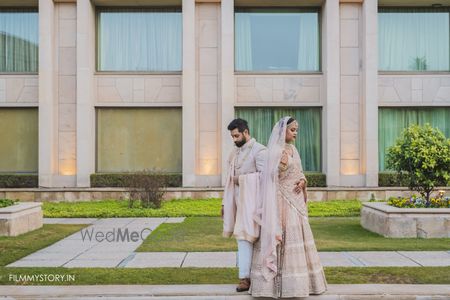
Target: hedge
{"type": "Point", "coordinates": [118, 179]}
{"type": "Point", "coordinates": [19, 180]}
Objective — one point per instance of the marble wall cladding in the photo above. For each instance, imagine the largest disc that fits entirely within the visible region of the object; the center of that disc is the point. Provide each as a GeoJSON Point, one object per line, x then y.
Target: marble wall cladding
{"type": "Point", "coordinates": [350, 15]}
{"type": "Point", "coordinates": [66, 71]}
{"type": "Point", "coordinates": [138, 88]}
{"type": "Point", "coordinates": [207, 48]}
{"type": "Point", "coordinates": [19, 89]}
{"type": "Point", "coordinates": [276, 89]}
{"type": "Point", "coordinates": [414, 90]}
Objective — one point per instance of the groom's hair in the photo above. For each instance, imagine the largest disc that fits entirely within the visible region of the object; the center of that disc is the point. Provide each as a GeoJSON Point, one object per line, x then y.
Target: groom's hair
{"type": "Point", "coordinates": [240, 124]}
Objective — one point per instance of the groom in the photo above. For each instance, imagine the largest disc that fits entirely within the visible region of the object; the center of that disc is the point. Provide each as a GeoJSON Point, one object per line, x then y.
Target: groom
{"type": "Point", "coordinates": [241, 196]}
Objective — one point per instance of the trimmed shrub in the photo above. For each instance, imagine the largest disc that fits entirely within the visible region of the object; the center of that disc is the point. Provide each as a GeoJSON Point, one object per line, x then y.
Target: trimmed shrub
{"type": "Point", "coordinates": [19, 181]}
{"type": "Point", "coordinates": [316, 179]}
{"type": "Point", "coordinates": [422, 156]}
{"type": "Point", "coordinates": [120, 179]}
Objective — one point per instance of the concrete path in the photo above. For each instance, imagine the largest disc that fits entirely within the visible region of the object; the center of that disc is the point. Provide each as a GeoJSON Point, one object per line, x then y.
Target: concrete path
{"type": "Point", "coordinates": [108, 244]}
{"type": "Point", "coordinates": [221, 292]}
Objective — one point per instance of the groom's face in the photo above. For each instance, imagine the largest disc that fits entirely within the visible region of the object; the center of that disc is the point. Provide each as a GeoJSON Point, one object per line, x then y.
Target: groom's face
{"type": "Point", "coordinates": [239, 138]}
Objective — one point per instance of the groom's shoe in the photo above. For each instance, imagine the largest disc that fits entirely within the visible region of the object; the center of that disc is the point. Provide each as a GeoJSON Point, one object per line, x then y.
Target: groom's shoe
{"type": "Point", "coordinates": [244, 285]}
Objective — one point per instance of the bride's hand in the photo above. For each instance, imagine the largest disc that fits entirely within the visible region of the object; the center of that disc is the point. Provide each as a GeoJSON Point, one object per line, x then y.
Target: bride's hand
{"type": "Point", "coordinates": [299, 186]}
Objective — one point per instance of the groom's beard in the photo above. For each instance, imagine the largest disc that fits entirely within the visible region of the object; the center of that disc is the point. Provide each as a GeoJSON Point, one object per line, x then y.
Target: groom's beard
{"type": "Point", "coordinates": [241, 143]}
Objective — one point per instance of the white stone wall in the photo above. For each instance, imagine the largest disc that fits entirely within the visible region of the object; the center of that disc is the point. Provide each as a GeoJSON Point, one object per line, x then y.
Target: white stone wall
{"type": "Point", "coordinates": [350, 96]}
{"type": "Point", "coordinates": [208, 50]}
{"type": "Point", "coordinates": [17, 89]}
{"type": "Point", "coordinates": [414, 90]}
{"type": "Point", "coordinates": [137, 89]}
{"type": "Point", "coordinates": [279, 89]}
{"type": "Point", "coordinates": [66, 27]}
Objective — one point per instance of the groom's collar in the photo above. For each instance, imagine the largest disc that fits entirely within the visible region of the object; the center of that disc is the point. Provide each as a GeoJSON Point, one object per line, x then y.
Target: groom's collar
{"type": "Point", "coordinates": [246, 145]}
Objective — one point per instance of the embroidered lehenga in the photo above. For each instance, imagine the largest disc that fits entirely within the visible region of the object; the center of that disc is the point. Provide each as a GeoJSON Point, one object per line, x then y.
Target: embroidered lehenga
{"type": "Point", "coordinates": [296, 271]}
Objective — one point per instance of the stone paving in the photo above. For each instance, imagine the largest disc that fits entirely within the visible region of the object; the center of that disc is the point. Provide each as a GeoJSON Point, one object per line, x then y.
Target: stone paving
{"type": "Point", "coordinates": [96, 245]}
{"type": "Point", "coordinates": [76, 252]}
{"type": "Point", "coordinates": [222, 292]}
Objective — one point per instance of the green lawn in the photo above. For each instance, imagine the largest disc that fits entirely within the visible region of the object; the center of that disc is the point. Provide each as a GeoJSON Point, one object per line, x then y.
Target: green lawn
{"type": "Point", "coordinates": [335, 275]}
{"type": "Point", "coordinates": [14, 248]}
{"type": "Point", "coordinates": [178, 208]}
{"type": "Point", "coordinates": [331, 234]}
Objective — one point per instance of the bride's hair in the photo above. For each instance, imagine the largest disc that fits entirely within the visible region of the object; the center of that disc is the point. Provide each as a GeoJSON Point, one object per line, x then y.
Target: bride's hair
{"type": "Point", "coordinates": [290, 121]}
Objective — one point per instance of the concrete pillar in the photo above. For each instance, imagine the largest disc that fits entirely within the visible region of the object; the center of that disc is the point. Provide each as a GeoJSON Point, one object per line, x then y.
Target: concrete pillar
{"type": "Point", "coordinates": [85, 92]}
{"type": "Point", "coordinates": [48, 106]}
{"type": "Point", "coordinates": [351, 132]}
{"type": "Point", "coordinates": [370, 91]}
{"type": "Point", "coordinates": [227, 80]}
{"type": "Point", "coordinates": [189, 95]}
{"type": "Point", "coordinates": [331, 110]}
{"type": "Point", "coordinates": [208, 71]}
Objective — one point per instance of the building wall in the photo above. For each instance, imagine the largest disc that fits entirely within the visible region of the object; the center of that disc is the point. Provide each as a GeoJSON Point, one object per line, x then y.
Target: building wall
{"type": "Point", "coordinates": [68, 89]}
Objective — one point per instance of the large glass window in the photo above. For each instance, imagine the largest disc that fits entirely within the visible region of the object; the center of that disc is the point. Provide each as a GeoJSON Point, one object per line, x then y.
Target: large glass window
{"type": "Point", "coordinates": [277, 40]}
{"type": "Point", "coordinates": [392, 121]}
{"type": "Point", "coordinates": [308, 142]}
{"type": "Point", "coordinates": [134, 139]}
{"type": "Point", "coordinates": [19, 143]}
{"type": "Point", "coordinates": [139, 39]}
{"type": "Point", "coordinates": [414, 39]}
{"type": "Point", "coordinates": [19, 40]}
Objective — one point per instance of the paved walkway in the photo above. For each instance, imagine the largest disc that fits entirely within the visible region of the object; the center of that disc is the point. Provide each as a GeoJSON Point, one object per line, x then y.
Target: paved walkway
{"type": "Point", "coordinates": [97, 246]}
{"type": "Point", "coordinates": [221, 292]}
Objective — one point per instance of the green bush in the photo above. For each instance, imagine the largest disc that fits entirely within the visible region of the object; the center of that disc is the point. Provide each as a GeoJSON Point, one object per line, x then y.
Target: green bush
{"type": "Point", "coordinates": [421, 155]}
{"type": "Point", "coordinates": [387, 179]}
{"type": "Point", "coordinates": [120, 179]}
{"type": "Point", "coordinates": [316, 179]}
{"type": "Point", "coordinates": [7, 202]}
{"type": "Point", "coordinates": [19, 180]}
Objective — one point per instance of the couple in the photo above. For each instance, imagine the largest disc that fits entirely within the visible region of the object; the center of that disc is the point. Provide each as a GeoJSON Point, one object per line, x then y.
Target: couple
{"type": "Point", "coordinates": [264, 208]}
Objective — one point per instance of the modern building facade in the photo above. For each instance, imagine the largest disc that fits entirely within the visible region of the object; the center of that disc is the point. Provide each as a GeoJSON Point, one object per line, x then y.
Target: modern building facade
{"type": "Point", "coordinates": [107, 86]}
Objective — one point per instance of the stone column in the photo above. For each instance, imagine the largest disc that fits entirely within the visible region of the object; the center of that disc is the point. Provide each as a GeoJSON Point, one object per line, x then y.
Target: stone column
{"type": "Point", "coordinates": [208, 70]}
{"type": "Point", "coordinates": [48, 106]}
{"type": "Point", "coordinates": [351, 103]}
{"type": "Point", "coordinates": [189, 95]}
{"type": "Point", "coordinates": [85, 92]}
{"type": "Point", "coordinates": [370, 91]}
{"type": "Point", "coordinates": [331, 109]}
{"type": "Point", "coordinates": [226, 79]}
{"type": "Point", "coordinates": [66, 36]}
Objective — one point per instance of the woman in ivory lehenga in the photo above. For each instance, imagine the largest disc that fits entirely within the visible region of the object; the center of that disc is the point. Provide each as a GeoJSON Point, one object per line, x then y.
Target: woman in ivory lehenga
{"type": "Point", "coordinates": [285, 260]}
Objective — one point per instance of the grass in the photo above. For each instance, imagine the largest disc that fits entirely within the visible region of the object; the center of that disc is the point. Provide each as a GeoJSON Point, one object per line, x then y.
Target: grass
{"type": "Point", "coordinates": [14, 248]}
{"type": "Point", "coordinates": [335, 275]}
{"type": "Point", "coordinates": [331, 234]}
{"type": "Point", "coordinates": [178, 208]}
{"type": "Point", "coordinates": [7, 202]}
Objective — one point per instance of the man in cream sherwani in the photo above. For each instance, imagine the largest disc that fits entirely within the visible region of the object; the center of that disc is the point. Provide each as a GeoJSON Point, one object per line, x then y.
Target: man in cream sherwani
{"type": "Point", "coordinates": [241, 196]}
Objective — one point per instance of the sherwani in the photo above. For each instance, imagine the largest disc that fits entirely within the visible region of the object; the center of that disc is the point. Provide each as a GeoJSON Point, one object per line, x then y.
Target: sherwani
{"type": "Point", "coordinates": [245, 162]}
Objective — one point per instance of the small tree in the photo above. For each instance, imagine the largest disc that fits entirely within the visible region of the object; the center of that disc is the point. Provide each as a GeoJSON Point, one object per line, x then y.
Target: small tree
{"type": "Point", "coordinates": [147, 187]}
{"type": "Point", "coordinates": [422, 155]}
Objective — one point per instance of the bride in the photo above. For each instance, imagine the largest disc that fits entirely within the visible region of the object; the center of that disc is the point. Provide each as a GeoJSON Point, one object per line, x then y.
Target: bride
{"type": "Point", "coordinates": [285, 259]}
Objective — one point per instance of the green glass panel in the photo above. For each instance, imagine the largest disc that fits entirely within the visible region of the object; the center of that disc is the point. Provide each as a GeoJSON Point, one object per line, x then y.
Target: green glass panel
{"type": "Point", "coordinates": [19, 140]}
{"type": "Point", "coordinates": [262, 119]}
{"type": "Point", "coordinates": [134, 139]}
